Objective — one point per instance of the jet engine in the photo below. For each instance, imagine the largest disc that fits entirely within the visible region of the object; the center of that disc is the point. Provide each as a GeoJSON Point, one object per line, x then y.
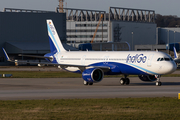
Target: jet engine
{"type": "Point", "coordinates": [93, 75]}
{"type": "Point", "coordinates": [148, 78]}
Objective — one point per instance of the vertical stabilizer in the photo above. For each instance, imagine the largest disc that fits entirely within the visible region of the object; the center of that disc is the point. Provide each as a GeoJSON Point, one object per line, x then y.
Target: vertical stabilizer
{"type": "Point", "coordinates": [175, 53]}
{"type": "Point", "coordinates": [54, 40]}
{"type": "Point", "coordinates": [6, 55]}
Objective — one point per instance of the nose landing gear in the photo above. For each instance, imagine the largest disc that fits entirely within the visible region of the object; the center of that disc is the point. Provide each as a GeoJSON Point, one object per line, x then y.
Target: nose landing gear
{"type": "Point", "coordinates": [158, 82]}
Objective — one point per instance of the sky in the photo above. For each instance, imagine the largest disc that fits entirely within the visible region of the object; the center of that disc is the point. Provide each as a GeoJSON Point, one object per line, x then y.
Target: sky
{"type": "Point", "coordinates": [163, 7]}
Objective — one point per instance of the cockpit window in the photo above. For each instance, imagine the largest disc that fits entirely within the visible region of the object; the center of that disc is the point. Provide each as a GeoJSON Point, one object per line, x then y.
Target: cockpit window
{"type": "Point", "coordinates": [164, 59]}
{"type": "Point", "coordinates": [167, 59]}
{"type": "Point", "coordinates": [158, 59]}
{"type": "Point", "coordinates": [161, 59]}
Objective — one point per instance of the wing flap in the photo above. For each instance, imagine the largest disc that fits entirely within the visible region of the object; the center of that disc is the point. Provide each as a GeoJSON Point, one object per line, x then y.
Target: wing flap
{"type": "Point", "coordinates": [104, 68]}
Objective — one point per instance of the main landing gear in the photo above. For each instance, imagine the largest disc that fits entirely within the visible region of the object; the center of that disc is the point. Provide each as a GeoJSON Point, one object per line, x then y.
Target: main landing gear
{"type": "Point", "coordinates": [124, 81]}
{"type": "Point", "coordinates": [158, 82]}
{"type": "Point", "coordinates": [88, 83]}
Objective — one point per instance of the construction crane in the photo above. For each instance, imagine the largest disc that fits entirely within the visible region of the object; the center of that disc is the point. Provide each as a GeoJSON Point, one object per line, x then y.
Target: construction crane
{"type": "Point", "coordinates": [61, 6]}
{"type": "Point", "coordinates": [97, 28]}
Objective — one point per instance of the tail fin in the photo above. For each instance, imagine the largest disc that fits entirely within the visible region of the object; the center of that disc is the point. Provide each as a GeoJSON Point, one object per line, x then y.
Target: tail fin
{"type": "Point", "coordinates": [55, 42]}
{"type": "Point", "coordinates": [175, 53]}
{"type": "Point", "coordinates": [6, 55]}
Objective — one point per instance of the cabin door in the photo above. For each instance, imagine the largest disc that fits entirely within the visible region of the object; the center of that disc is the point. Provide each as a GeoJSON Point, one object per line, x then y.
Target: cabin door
{"type": "Point", "coordinates": [83, 60]}
{"type": "Point", "coordinates": [150, 57]}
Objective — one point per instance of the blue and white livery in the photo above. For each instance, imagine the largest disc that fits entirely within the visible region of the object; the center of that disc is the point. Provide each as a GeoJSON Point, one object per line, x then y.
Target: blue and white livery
{"type": "Point", "coordinates": [93, 65]}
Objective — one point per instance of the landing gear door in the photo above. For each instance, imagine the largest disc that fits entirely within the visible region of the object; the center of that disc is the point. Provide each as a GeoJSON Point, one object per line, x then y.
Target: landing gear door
{"type": "Point", "coordinates": [150, 57]}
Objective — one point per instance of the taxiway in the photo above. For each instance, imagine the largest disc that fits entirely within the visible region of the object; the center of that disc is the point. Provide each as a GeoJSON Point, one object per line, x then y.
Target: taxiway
{"type": "Point", "coordinates": [68, 88]}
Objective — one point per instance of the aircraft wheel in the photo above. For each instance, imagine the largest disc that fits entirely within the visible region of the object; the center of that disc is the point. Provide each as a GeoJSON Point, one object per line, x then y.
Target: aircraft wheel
{"type": "Point", "coordinates": [158, 83]}
{"type": "Point", "coordinates": [91, 83]}
{"type": "Point", "coordinates": [127, 81]}
{"type": "Point", "coordinates": [122, 81]}
{"type": "Point", "coordinates": [85, 82]}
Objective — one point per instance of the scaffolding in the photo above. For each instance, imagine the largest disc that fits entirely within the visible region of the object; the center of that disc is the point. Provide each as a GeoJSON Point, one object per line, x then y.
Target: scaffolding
{"type": "Point", "coordinates": [133, 15]}
{"type": "Point", "coordinates": [115, 14]}
{"type": "Point", "coordinates": [83, 14]}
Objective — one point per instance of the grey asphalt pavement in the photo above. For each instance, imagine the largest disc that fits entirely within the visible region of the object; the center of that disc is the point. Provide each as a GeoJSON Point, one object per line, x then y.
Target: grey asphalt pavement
{"type": "Point", "coordinates": [69, 88]}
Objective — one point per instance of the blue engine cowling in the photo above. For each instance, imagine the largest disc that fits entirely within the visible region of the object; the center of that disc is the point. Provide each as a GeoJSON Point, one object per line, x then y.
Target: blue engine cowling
{"type": "Point", "coordinates": [93, 75]}
{"type": "Point", "coordinates": [148, 78]}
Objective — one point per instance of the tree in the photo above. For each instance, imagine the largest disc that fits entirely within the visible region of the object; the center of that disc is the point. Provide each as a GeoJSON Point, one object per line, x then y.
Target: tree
{"type": "Point", "coordinates": [167, 21]}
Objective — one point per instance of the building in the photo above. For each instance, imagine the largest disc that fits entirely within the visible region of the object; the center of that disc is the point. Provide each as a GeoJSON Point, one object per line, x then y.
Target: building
{"type": "Point", "coordinates": [168, 35]}
{"type": "Point", "coordinates": [25, 32]}
{"type": "Point", "coordinates": [135, 26]}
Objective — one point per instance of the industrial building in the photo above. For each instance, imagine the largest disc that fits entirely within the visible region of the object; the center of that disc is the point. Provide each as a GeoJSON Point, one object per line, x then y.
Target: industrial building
{"type": "Point", "coordinates": [135, 26]}
{"type": "Point", "coordinates": [168, 35]}
{"type": "Point", "coordinates": [164, 37]}
{"type": "Point", "coordinates": [24, 31]}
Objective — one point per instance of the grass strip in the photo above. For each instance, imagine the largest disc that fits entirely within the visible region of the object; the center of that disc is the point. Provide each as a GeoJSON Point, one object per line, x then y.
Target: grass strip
{"type": "Point", "coordinates": [58, 74]}
{"type": "Point", "coordinates": [92, 109]}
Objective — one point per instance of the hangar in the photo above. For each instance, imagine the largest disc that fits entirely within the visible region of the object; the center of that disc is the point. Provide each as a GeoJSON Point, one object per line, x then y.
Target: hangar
{"type": "Point", "coordinates": [135, 26]}
{"type": "Point", "coordinates": [25, 32]}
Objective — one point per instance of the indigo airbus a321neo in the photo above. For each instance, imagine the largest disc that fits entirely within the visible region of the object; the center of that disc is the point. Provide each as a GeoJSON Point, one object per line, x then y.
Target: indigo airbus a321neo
{"type": "Point", "coordinates": [93, 65]}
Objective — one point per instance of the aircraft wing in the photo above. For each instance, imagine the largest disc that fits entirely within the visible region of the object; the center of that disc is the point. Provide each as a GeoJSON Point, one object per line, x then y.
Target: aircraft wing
{"type": "Point", "coordinates": [104, 68]}
{"type": "Point", "coordinates": [62, 65]}
{"type": "Point", "coordinates": [33, 56]}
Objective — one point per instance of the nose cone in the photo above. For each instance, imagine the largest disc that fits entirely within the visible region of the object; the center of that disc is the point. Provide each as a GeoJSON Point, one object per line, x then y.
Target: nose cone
{"type": "Point", "coordinates": [170, 67]}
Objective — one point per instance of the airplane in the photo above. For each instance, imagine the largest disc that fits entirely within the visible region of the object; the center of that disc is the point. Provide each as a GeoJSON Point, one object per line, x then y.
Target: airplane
{"type": "Point", "coordinates": [93, 65]}
{"type": "Point", "coordinates": [176, 58]}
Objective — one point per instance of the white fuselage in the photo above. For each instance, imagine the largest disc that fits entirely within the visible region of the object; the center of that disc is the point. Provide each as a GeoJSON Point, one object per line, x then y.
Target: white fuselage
{"type": "Point", "coordinates": [124, 62]}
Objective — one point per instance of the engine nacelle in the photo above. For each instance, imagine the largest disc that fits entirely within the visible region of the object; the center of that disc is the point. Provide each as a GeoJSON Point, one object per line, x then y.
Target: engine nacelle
{"type": "Point", "coordinates": [93, 75]}
{"type": "Point", "coordinates": [148, 78]}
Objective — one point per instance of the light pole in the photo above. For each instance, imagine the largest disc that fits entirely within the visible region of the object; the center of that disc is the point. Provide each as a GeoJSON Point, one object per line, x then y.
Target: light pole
{"type": "Point", "coordinates": [174, 38]}
{"type": "Point", "coordinates": [168, 41]}
{"type": "Point", "coordinates": [132, 40]}
{"type": "Point", "coordinates": [132, 33]}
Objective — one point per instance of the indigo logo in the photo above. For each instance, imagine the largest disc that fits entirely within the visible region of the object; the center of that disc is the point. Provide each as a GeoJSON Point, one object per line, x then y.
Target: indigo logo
{"type": "Point", "coordinates": [137, 58]}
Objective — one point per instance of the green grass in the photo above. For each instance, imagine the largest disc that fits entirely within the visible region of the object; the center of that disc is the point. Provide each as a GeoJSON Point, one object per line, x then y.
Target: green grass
{"type": "Point", "coordinates": [41, 74]}
{"type": "Point", "coordinates": [58, 74]}
{"type": "Point", "coordinates": [92, 109]}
